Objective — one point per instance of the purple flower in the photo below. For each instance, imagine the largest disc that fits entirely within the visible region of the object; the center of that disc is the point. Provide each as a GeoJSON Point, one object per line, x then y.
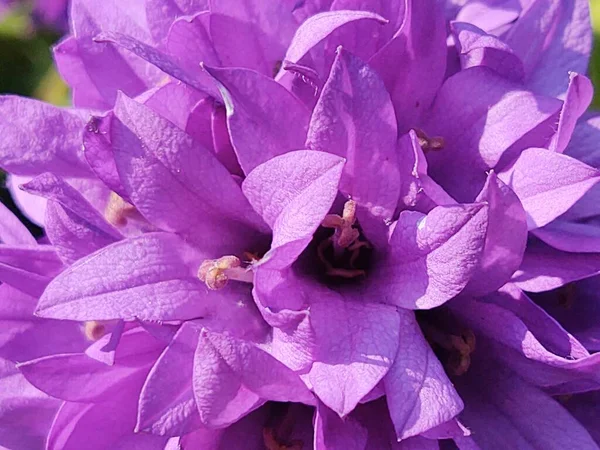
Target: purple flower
{"type": "Point", "coordinates": [310, 232]}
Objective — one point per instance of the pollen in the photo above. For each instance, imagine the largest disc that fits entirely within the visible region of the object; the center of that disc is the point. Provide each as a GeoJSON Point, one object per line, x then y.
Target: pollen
{"type": "Point", "coordinates": [345, 233]}
{"type": "Point", "coordinates": [118, 210]}
{"type": "Point", "coordinates": [429, 143]}
{"type": "Point", "coordinates": [463, 346]}
{"type": "Point", "coordinates": [94, 330]}
{"type": "Point", "coordinates": [216, 273]}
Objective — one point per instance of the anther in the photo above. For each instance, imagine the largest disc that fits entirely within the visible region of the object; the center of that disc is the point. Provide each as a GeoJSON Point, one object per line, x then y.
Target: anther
{"type": "Point", "coordinates": [217, 272]}
{"type": "Point", "coordinates": [94, 330]}
{"type": "Point", "coordinates": [429, 143]}
{"type": "Point", "coordinates": [271, 442]}
{"type": "Point", "coordinates": [118, 210]}
{"type": "Point", "coordinates": [345, 233]}
{"type": "Point", "coordinates": [464, 346]}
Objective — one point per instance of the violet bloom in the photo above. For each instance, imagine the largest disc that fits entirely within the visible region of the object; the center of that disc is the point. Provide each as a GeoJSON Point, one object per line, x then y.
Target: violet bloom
{"type": "Point", "coordinates": [296, 245]}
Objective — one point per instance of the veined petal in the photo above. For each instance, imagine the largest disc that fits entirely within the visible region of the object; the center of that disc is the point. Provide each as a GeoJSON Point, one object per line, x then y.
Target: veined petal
{"type": "Point", "coordinates": [548, 183]}
{"type": "Point", "coordinates": [167, 404]}
{"type": "Point", "coordinates": [356, 342]}
{"type": "Point", "coordinates": [178, 185]}
{"type": "Point", "coordinates": [260, 128]}
{"type": "Point", "coordinates": [419, 394]}
{"type": "Point", "coordinates": [37, 138]}
{"type": "Point", "coordinates": [476, 131]}
{"type": "Point", "coordinates": [233, 377]}
{"type": "Point", "coordinates": [293, 193]}
{"type": "Point", "coordinates": [432, 257]}
{"type": "Point", "coordinates": [354, 119]}
{"type": "Point", "coordinates": [505, 239]}
{"type": "Point", "coordinates": [154, 279]}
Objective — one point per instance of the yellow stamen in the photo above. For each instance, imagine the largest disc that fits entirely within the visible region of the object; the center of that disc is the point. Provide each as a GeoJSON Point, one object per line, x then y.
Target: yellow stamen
{"type": "Point", "coordinates": [118, 210]}
{"type": "Point", "coordinates": [94, 330]}
{"type": "Point", "coordinates": [217, 272]}
{"type": "Point", "coordinates": [345, 233]}
{"type": "Point", "coordinates": [429, 143]}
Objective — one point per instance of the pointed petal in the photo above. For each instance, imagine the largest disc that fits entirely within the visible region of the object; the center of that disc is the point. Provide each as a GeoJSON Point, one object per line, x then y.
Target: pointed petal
{"type": "Point", "coordinates": [178, 185]}
{"type": "Point", "coordinates": [477, 48]}
{"type": "Point", "coordinates": [189, 42]}
{"type": "Point", "coordinates": [515, 414]}
{"type": "Point", "coordinates": [356, 342]}
{"type": "Point", "coordinates": [365, 137]}
{"type": "Point", "coordinates": [162, 13]}
{"type": "Point", "coordinates": [73, 226]}
{"type": "Point", "coordinates": [167, 405]}
{"type": "Point", "coordinates": [419, 394]}
{"type": "Point", "coordinates": [334, 433]}
{"type": "Point", "coordinates": [545, 268]}
{"type": "Point", "coordinates": [483, 138]}
{"type": "Point", "coordinates": [433, 257]}
{"type": "Point", "coordinates": [579, 96]}
{"type": "Point", "coordinates": [25, 413]}
{"type": "Point", "coordinates": [505, 239]}
{"type": "Point", "coordinates": [28, 268]}
{"type": "Point", "coordinates": [419, 47]}
{"type": "Point", "coordinates": [566, 33]}
{"type": "Point", "coordinates": [293, 193]}
{"type": "Point", "coordinates": [232, 377]}
{"type": "Point", "coordinates": [98, 152]}
{"type": "Point", "coordinates": [249, 96]}
{"type": "Point", "coordinates": [37, 137]}
{"type": "Point", "coordinates": [548, 183]}
{"type": "Point", "coordinates": [117, 282]}
{"type": "Point", "coordinates": [318, 27]}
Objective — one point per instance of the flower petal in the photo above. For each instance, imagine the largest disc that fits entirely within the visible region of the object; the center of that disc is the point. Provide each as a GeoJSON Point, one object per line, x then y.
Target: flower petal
{"type": "Point", "coordinates": [150, 277]}
{"type": "Point", "coordinates": [38, 137]}
{"type": "Point", "coordinates": [232, 377]}
{"type": "Point", "coordinates": [419, 47]}
{"type": "Point", "coordinates": [419, 394]}
{"type": "Point", "coordinates": [178, 185]}
{"type": "Point", "coordinates": [12, 231]}
{"type": "Point", "coordinates": [548, 183]}
{"type": "Point", "coordinates": [505, 239]}
{"type": "Point", "coordinates": [477, 48]}
{"type": "Point", "coordinates": [260, 128]}
{"type": "Point", "coordinates": [293, 193]}
{"type": "Point", "coordinates": [483, 137]}
{"type": "Point", "coordinates": [73, 226]}
{"type": "Point", "coordinates": [365, 136]}
{"type": "Point", "coordinates": [433, 257]}
{"type": "Point", "coordinates": [513, 414]}
{"type": "Point", "coordinates": [25, 413]}
{"type": "Point", "coordinates": [545, 268]}
{"type": "Point", "coordinates": [579, 96]}
{"type": "Point", "coordinates": [356, 342]}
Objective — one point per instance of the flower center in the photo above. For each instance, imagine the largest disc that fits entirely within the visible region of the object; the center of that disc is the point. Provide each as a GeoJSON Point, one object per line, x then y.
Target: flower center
{"type": "Point", "coordinates": [216, 273]}
{"type": "Point", "coordinates": [453, 349]}
{"type": "Point", "coordinates": [429, 143]}
{"type": "Point", "coordinates": [279, 426]}
{"type": "Point", "coordinates": [343, 254]}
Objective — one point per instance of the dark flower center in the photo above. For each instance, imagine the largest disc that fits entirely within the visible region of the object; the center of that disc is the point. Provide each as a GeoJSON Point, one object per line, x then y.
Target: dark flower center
{"type": "Point", "coordinates": [453, 345]}
{"type": "Point", "coordinates": [339, 253]}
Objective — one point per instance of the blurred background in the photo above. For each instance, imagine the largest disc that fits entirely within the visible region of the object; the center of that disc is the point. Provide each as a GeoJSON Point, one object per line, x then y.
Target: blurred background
{"type": "Point", "coordinates": [26, 63]}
